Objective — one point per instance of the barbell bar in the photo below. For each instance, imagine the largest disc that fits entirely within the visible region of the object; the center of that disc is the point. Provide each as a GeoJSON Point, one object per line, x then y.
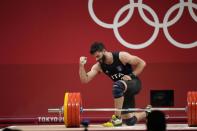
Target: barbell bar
{"type": "Point", "coordinates": [60, 110]}
{"type": "Point", "coordinates": [73, 107]}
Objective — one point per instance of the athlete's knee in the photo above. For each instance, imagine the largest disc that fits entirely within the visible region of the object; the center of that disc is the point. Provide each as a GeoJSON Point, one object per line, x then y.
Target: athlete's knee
{"type": "Point", "coordinates": [118, 89]}
{"type": "Point", "coordinates": [131, 121]}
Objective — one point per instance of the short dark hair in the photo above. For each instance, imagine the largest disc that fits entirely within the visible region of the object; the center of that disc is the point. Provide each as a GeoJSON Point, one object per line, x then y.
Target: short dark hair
{"type": "Point", "coordinates": [96, 46]}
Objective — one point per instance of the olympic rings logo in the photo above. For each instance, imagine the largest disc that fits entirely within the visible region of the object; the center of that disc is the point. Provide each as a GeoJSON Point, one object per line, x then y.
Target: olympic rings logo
{"type": "Point", "coordinates": [156, 24]}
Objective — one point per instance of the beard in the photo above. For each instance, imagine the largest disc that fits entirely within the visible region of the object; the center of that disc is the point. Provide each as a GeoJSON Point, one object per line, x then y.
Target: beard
{"type": "Point", "coordinates": [102, 59]}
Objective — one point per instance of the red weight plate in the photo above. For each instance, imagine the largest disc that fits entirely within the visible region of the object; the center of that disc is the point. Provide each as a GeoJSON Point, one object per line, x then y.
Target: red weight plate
{"type": "Point", "coordinates": [78, 103]}
{"type": "Point", "coordinates": [189, 108]}
{"type": "Point", "coordinates": [193, 108]}
{"type": "Point", "coordinates": [73, 109]}
{"type": "Point", "coordinates": [195, 114]}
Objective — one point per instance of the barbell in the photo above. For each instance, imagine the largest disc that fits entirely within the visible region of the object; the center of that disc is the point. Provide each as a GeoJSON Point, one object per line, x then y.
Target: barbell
{"type": "Point", "coordinates": [73, 107]}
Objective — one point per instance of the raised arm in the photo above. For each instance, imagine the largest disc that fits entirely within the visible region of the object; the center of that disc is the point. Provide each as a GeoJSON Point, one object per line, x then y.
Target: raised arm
{"type": "Point", "coordinates": [87, 77]}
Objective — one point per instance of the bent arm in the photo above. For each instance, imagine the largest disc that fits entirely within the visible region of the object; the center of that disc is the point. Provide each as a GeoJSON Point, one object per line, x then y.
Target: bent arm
{"type": "Point", "coordinates": [87, 77]}
{"type": "Point", "coordinates": [135, 61]}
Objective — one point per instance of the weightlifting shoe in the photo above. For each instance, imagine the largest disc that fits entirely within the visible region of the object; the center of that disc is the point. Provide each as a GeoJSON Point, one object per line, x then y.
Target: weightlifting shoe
{"type": "Point", "coordinates": [115, 121]}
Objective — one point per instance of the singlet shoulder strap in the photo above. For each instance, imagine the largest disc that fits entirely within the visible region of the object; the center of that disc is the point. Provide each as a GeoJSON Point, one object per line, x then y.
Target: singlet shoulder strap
{"type": "Point", "coordinates": [115, 56]}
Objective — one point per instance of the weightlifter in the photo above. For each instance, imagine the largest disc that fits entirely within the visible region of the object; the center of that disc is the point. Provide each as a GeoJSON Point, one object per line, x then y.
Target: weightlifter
{"type": "Point", "coordinates": [124, 69]}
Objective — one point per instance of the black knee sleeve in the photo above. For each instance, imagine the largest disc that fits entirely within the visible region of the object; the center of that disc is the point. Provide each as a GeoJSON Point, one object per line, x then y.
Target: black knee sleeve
{"type": "Point", "coordinates": [118, 89]}
{"type": "Point", "coordinates": [131, 121]}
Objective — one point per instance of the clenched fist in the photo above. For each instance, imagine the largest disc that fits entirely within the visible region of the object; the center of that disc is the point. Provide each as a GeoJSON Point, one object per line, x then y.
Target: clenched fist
{"type": "Point", "coordinates": [82, 60]}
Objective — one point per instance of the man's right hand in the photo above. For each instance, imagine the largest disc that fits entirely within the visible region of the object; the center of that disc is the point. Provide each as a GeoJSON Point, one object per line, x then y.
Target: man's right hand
{"type": "Point", "coordinates": [82, 60]}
